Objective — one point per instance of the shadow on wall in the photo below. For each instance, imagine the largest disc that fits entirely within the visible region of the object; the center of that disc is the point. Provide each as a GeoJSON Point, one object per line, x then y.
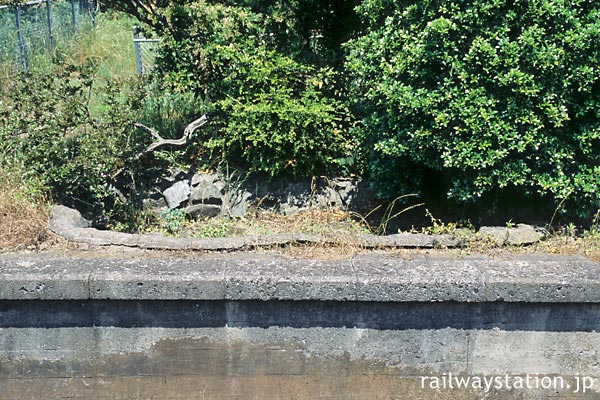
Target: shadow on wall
{"type": "Point", "coordinates": [555, 317]}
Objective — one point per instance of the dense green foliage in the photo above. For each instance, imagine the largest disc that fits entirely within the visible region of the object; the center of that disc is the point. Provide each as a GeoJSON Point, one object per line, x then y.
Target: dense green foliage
{"type": "Point", "coordinates": [82, 155]}
{"type": "Point", "coordinates": [311, 30]}
{"type": "Point", "coordinates": [494, 94]}
{"type": "Point", "coordinates": [46, 127]}
{"type": "Point", "coordinates": [277, 110]}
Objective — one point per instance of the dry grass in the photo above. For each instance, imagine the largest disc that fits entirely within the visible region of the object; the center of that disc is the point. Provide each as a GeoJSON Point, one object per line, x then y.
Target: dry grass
{"type": "Point", "coordinates": [337, 229]}
{"type": "Point", "coordinates": [23, 213]}
{"type": "Point", "coordinates": [328, 222]}
{"type": "Point", "coordinates": [587, 245]}
{"type": "Point", "coordinates": [332, 223]}
{"type": "Point", "coordinates": [321, 251]}
{"type": "Point", "coordinates": [341, 230]}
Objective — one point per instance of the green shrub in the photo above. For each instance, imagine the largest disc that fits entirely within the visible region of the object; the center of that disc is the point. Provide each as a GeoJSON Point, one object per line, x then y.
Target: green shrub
{"type": "Point", "coordinates": [275, 112]}
{"type": "Point", "coordinates": [283, 121]}
{"type": "Point", "coordinates": [496, 94]}
{"type": "Point", "coordinates": [169, 112]}
{"type": "Point", "coordinates": [308, 30]}
{"type": "Point", "coordinates": [46, 127]}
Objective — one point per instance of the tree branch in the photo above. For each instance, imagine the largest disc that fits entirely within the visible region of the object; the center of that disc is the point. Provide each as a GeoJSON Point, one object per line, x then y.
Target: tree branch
{"type": "Point", "coordinates": [145, 11]}
{"type": "Point", "coordinates": [182, 141]}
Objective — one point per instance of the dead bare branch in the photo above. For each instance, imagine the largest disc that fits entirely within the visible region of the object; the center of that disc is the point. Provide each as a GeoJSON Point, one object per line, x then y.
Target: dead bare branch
{"type": "Point", "coordinates": [149, 130]}
{"type": "Point", "coordinates": [182, 141]}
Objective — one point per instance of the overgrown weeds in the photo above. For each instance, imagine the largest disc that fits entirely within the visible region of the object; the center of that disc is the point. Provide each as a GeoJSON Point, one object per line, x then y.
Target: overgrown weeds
{"type": "Point", "coordinates": [572, 239]}
{"type": "Point", "coordinates": [330, 223]}
{"type": "Point", "coordinates": [24, 211]}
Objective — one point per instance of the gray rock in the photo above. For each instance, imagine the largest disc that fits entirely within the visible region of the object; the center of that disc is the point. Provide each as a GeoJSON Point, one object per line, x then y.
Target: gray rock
{"type": "Point", "coordinates": [155, 203]}
{"type": "Point", "coordinates": [236, 203]}
{"type": "Point", "coordinates": [178, 193]}
{"type": "Point", "coordinates": [203, 210]}
{"type": "Point", "coordinates": [65, 217]}
{"type": "Point", "coordinates": [331, 198]}
{"type": "Point", "coordinates": [204, 179]}
{"type": "Point", "coordinates": [520, 235]}
{"type": "Point", "coordinates": [410, 240]}
{"type": "Point", "coordinates": [284, 197]}
{"type": "Point", "coordinates": [207, 189]}
{"type": "Point", "coordinates": [524, 234]}
{"type": "Point", "coordinates": [345, 189]}
{"type": "Point", "coordinates": [496, 234]}
{"type": "Point", "coordinates": [173, 177]}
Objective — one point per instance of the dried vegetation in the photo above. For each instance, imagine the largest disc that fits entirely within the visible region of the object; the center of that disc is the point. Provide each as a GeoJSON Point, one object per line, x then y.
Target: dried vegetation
{"type": "Point", "coordinates": [23, 213]}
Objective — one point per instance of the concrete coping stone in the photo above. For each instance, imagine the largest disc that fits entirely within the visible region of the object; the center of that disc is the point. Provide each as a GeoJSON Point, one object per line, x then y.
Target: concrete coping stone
{"type": "Point", "coordinates": [69, 223]}
{"type": "Point", "coordinates": [373, 277]}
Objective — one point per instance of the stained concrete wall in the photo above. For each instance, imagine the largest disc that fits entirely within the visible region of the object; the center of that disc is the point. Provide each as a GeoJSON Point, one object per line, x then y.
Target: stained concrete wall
{"type": "Point", "coordinates": [251, 327]}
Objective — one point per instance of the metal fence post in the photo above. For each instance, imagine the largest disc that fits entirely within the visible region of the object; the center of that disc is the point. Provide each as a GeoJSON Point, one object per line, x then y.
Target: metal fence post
{"type": "Point", "coordinates": [20, 38]}
{"type": "Point", "coordinates": [49, 17]}
{"type": "Point", "coordinates": [136, 49]}
{"type": "Point", "coordinates": [73, 16]}
{"type": "Point", "coordinates": [92, 5]}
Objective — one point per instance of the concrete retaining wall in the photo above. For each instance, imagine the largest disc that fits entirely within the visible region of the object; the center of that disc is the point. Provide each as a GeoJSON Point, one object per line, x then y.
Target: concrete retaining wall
{"type": "Point", "coordinates": [244, 326]}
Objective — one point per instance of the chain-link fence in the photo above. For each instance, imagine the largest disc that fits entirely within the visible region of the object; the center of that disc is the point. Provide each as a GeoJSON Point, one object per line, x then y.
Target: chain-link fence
{"type": "Point", "coordinates": [32, 29]}
{"type": "Point", "coordinates": [145, 51]}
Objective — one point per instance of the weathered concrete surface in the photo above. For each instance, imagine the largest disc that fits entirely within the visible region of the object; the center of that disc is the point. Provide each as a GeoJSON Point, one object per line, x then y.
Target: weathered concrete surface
{"type": "Point", "coordinates": [286, 363]}
{"type": "Point", "coordinates": [249, 326]}
{"type": "Point", "coordinates": [68, 223]}
{"type": "Point", "coordinates": [248, 276]}
{"type": "Point", "coordinates": [518, 235]}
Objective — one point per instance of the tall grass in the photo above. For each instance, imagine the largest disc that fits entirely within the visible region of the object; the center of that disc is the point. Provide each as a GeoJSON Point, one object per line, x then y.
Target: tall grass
{"type": "Point", "coordinates": [110, 46]}
{"type": "Point", "coordinates": [108, 42]}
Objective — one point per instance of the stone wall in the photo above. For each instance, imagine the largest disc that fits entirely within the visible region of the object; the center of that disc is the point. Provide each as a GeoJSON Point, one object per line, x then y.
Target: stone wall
{"type": "Point", "coordinates": [204, 194]}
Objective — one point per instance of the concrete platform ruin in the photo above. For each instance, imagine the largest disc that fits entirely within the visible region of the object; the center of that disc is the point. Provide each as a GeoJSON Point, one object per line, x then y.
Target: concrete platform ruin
{"type": "Point", "coordinates": [252, 326]}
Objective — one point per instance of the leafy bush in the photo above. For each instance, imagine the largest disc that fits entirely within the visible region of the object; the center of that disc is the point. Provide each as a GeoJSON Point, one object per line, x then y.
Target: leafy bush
{"type": "Point", "coordinates": [87, 155]}
{"type": "Point", "coordinates": [283, 122]}
{"type": "Point", "coordinates": [47, 128]}
{"type": "Point", "coordinates": [496, 94]}
{"type": "Point", "coordinates": [308, 30]}
{"type": "Point", "coordinates": [274, 113]}
{"type": "Point", "coordinates": [169, 112]}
